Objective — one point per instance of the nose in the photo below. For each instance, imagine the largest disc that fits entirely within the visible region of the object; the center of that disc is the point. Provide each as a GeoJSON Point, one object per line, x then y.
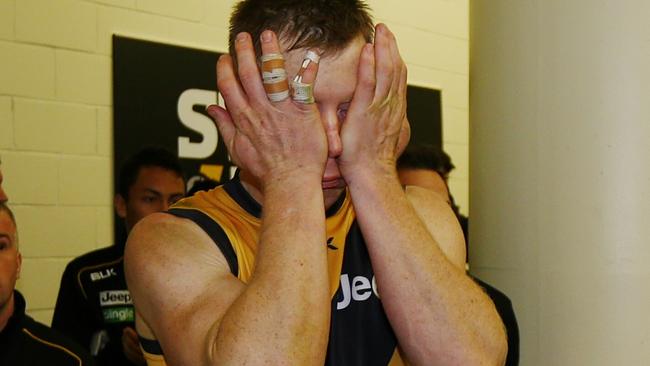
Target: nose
{"type": "Point", "coordinates": [165, 205]}
{"type": "Point", "coordinates": [332, 129]}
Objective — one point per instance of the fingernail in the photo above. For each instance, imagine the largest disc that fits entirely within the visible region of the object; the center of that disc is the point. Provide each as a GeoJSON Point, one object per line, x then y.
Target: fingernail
{"type": "Point", "coordinates": [313, 56]}
{"type": "Point", "coordinates": [210, 108]}
{"type": "Point", "coordinates": [241, 37]}
{"type": "Point", "coordinates": [267, 36]}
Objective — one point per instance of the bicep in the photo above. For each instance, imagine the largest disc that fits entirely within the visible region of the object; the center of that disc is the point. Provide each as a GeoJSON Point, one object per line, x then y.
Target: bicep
{"type": "Point", "coordinates": [181, 286]}
{"type": "Point", "coordinates": [441, 222]}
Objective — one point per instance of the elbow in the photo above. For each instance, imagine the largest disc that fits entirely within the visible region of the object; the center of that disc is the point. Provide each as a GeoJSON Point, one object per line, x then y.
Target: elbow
{"type": "Point", "coordinates": [495, 350]}
{"type": "Point", "coordinates": [491, 350]}
{"type": "Point", "coordinates": [499, 352]}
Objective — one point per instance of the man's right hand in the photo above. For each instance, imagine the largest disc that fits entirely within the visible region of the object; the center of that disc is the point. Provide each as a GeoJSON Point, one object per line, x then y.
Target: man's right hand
{"type": "Point", "coordinates": [131, 347]}
{"type": "Point", "coordinates": [266, 139]}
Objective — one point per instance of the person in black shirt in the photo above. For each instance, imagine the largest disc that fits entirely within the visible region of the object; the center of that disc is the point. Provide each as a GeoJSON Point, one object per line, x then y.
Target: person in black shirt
{"type": "Point", "coordinates": [24, 341]}
{"type": "Point", "coordinates": [94, 306]}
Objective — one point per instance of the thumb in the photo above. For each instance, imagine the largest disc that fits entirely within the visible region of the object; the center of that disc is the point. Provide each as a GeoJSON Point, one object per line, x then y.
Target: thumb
{"type": "Point", "coordinates": [222, 119]}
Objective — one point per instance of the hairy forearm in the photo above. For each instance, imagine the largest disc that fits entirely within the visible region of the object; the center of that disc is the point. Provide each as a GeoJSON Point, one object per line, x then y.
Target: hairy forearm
{"type": "Point", "coordinates": [274, 319]}
{"type": "Point", "coordinates": [439, 315]}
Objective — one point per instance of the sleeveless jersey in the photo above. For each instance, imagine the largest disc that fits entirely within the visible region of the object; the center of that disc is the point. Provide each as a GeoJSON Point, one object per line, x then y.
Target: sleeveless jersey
{"type": "Point", "coordinates": [360, 333]}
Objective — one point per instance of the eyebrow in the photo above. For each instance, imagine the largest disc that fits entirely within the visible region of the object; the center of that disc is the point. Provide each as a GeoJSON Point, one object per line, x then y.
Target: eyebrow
{"type": "Point", "coordinates": [153, 191]}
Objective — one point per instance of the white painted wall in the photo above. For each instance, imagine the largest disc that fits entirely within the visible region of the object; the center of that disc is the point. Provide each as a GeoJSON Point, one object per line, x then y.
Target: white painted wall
{"type": "Point", "coordinates": [560, 177]}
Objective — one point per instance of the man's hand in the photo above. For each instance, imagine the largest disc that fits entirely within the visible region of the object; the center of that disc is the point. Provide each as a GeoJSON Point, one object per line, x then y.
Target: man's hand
{"type": "Point", "coordinates": [376, 129]}
{"type": "Point", "coordinates": [267, 139]}
{"type": "Point", "coordinates": [131, 346]}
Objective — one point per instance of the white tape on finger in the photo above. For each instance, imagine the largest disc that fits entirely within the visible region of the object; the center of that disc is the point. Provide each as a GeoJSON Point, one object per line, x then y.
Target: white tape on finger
{"type": "Point", "coordinates": [274, 77]}
{"type": "Point", "coordinates": [302, 92]}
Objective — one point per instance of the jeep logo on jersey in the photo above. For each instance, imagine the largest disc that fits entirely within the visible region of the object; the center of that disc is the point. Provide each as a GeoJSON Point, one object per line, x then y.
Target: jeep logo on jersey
{"type": "Point", "coordinates": [360, 290]}
{"type": "Point", "coordinates": [108, 298]}
{"type": "Point", "coordinates": [103, 274]}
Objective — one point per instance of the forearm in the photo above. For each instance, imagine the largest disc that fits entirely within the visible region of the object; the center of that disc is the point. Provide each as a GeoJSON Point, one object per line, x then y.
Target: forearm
{"type": "Point", "coordinates": [437, 312]}
{"type": "Point", "coordinates": [274, 320]}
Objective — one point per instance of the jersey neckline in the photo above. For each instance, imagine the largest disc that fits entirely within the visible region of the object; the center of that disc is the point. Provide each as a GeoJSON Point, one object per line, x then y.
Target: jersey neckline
{"type": "Point", "coordinates": [237, 192]}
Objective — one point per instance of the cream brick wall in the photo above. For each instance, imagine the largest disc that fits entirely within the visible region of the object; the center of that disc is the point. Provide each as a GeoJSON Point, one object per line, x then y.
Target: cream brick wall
{"type": "Point", "coordinates": [56, 107]}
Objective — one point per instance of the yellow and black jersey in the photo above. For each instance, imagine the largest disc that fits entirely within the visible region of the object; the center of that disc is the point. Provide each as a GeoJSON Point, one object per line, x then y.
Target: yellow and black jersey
{"type": "Point", "coordinates": [360, 333]}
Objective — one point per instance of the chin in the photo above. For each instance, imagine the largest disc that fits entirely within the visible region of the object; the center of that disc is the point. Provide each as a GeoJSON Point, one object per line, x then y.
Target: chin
{"type": "Point", "coordinates": [329, 184]}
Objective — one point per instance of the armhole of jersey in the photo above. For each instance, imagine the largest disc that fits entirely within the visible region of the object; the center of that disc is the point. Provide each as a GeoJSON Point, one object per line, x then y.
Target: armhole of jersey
{"type": "Point", "coordinates": [150, 346]}
{"type": "Point", "coordinates": [213, 230]}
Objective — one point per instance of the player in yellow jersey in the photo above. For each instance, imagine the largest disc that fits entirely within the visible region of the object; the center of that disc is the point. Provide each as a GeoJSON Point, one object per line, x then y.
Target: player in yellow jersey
{"type": "Point", "coordinates": [314, 254]}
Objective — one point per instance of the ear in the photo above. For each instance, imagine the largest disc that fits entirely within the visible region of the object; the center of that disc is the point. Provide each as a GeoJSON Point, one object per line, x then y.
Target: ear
{"type": "Point", "coordinates": [120, 205]}
{"type": "Point", "coordinates": [19, 260]}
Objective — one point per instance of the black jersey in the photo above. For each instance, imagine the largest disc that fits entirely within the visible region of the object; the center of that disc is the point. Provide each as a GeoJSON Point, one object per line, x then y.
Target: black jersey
{"type": "Point", "coordinates": [26, 342]}
{"type": "Point", "coordinates": [360, 333]}
{"type": "Point", "coordinates": [94, 305]}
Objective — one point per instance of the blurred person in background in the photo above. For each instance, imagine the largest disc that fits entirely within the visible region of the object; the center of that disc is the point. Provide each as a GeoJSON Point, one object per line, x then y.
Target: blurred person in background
{"type": "Point", "coordinates": [24, 341]}
{"type": "Point", "coordinates": [94, 306]}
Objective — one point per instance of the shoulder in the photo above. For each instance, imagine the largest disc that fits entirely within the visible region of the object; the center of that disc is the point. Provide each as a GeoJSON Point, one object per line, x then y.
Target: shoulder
{"type": "Point", "coordinates": [163, 246]}
{"type": "Point", "coordinates": [50, 345]}
{"type": "Point", "coordinates": [426, 198]}
{"type": "Point", "coordinates": [436, 213]}
{"type": "Point", "coordinates": [160, 228]}
{"type": "Point", "coordinates": [97, 256]}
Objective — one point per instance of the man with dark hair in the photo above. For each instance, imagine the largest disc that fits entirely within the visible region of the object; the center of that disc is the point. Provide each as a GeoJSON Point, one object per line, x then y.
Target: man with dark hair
{"type": "Point", "coordinates": [24, 341]}
{"type": "Point", "coordinates": [94, 306]}
{"type": "Point", "coordinates": [428, 166]}
{"type": "Point", "coordinates": [285, 264]}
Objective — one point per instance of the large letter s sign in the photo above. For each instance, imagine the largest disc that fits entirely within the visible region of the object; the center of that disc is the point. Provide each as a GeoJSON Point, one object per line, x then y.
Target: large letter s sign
{"type": "Point", "coordinates": [197, 122]}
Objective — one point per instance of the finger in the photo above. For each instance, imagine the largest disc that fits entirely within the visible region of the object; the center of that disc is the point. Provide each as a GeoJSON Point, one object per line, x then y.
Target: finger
{"type": "Point", "coordinates": [274, 75]}
{"type": "Point", "coordinates": [129, 332]}
{"type": "Point", "coordinates": [309, 67]}
{"type": "Point", "coordinates": [228, 85]}
{"type": "Point", "coordinates": [304, 81]}
{"type": "Point", "coordinates": [224, 122]}
{"type": "Point", "coordinates": [399, 76]}
{"type": "Point", "coordinates": [226, 127]}
{"type": "Point", "coordinates": [404, 136]}
{"type": "Point", "coordinates": [366, 81]}
{"type": "Point", "coordinates": [384, 63]}
{"type": "Point", "coordinates": [248, 72]}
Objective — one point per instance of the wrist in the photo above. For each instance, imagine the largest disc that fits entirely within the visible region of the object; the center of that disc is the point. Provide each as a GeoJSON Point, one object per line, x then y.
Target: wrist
{"type": "Point", "coordinates": [371, 175]}
{"type": "Point", "coordinates": [291, 180]}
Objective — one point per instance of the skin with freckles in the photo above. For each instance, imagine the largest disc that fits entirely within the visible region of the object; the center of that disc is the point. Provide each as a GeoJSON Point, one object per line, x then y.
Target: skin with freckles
{"type": "Point", "coordinates": [425, 178]}
{"type": "Point", "coordinates": [296, 159]}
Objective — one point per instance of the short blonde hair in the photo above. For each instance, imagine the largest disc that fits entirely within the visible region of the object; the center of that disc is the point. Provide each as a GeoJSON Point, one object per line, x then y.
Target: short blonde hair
{"type": "Point", "coordinates": [4, 208]}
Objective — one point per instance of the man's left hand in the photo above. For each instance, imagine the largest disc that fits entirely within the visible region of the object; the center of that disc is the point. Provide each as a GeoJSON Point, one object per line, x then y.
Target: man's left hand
{"type": "Point", "coordinates": [376, 129]}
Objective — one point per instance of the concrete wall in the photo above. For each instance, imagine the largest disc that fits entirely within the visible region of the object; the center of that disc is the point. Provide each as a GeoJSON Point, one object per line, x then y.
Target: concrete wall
{"type": "Point", "coordinates": [56, 103]}
{"type": "Point", "coordinates": [560, 132]}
